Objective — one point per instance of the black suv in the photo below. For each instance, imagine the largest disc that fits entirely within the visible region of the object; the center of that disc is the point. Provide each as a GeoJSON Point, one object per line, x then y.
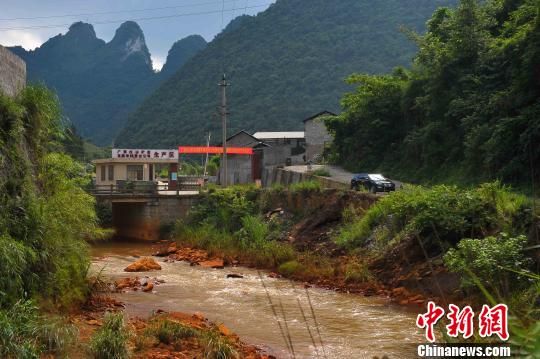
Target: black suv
{"type": "Point", "coordinates": [372, 182]}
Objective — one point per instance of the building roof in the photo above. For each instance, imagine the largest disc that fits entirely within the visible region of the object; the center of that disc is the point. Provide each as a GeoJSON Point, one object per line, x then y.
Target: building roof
{"type": "Point", "coordinates": [255, 142]}
{"type": "Point", "coordinates": [322, 113]}
{"type": "Point", "coordinates": [279, 135]}
{"type": "Point", "coordinates": [242, 132]}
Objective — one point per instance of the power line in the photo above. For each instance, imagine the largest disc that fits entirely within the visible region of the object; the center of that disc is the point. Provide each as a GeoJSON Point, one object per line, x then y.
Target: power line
{"type": "Point", "coordinates": [222, 15]}
{"type": "Point", "coordinates": [133, 19]}
{"type": "Point", "coordinates": [117, 12]}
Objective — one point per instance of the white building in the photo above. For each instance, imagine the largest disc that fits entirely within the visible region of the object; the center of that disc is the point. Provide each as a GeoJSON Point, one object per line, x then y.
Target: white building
{"type": "Point", "coordinates": [136, 165]}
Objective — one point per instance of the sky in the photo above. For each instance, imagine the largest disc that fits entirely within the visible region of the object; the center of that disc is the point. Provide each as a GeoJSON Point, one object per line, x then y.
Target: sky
{"type": "Point", "coordinates": [29, 23]}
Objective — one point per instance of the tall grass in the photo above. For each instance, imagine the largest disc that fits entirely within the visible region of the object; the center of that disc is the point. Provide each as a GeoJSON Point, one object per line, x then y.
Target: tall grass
{"type": "Point", "coordinates": [306, 186]}
{"type": "Point", "coordinates": [45, 215]}
{"type": "Point", "coordinates": [214, 344]}
{"type": "Point", "coordinates": [322, 172]}
{"type": "Point", "coordinates": [217, 346]}
{"type": "Point", "coordinates": [110, 341]}
{"type": "Point", "coordinates": [24, 333]}
{"type": "Point", "coordinates": [170, 332]}
{"type": "Point", "coordinates": [250, 244]}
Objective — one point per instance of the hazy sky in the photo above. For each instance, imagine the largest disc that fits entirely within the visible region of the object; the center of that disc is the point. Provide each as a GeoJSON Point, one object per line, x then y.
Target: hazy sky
{"type": "Point", "coordinates": [29, 23]}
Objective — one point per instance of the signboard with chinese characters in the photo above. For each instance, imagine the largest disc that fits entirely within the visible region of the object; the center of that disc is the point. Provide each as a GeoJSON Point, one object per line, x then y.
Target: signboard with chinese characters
{"type": "Point", "coordinates": [140, 154]}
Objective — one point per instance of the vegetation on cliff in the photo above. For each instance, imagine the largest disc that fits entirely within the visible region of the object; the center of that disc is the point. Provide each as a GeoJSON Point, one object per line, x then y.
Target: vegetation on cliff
{"type": "Point", "coordinates": [467, 111]}
{"type": "Point", "coordinates": [45, 216]}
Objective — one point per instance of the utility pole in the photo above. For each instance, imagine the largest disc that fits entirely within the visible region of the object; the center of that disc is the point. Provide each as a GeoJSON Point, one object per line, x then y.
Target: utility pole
{"type": "Point", "coordinates": [206, 161]}
{"type": "Point", "coordinates": [223, 84]}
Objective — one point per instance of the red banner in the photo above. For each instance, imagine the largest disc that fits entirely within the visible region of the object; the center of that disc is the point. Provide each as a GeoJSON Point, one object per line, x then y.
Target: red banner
{"type": "Point", "coordinates": [215, 150]}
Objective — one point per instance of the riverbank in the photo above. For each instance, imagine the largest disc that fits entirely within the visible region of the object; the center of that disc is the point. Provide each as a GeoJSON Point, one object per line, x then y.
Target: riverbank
{"type": "Point", "coordinates": [408, 247]}
{"type": "Point", "coordinates": [293, 232]}
{"type": "Point", "coordinates": [415, 245]}
{"type": "Point", "coordinates": [342, 274]}
{"type": "Point", "coordinates": [350, 325]}
{"type": "Point", "coordinates": [450, 245]}
{"type": "Point", "coordinates": [161, 335]}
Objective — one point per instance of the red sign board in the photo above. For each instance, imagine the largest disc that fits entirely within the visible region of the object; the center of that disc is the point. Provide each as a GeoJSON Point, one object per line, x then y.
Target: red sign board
{"type": "Point", "coordinates": [215, 150]}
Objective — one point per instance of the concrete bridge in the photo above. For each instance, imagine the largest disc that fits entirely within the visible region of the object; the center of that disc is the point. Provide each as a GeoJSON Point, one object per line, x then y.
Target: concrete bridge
{"type": "Point", "coordinates": [141, 214]}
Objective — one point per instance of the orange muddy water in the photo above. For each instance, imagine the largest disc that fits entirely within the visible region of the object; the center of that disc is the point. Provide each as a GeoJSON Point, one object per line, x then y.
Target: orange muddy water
{"type": "Point", "coordinates": [351, 326]}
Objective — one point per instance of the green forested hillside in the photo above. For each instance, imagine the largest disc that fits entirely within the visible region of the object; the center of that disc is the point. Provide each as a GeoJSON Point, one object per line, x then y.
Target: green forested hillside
{"type": "Point", "coordinates": [284, 64]}
{"type": "Point", "coordinates": [100, 83]}
{"type": "Point", "coordinates": [468, 110]}
{"type": "Point", "coordinates": [180, 53]}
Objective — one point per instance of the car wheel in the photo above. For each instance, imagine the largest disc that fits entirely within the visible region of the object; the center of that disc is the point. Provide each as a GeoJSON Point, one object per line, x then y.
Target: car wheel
{"type": "Point", "coordinates": [372, 189]}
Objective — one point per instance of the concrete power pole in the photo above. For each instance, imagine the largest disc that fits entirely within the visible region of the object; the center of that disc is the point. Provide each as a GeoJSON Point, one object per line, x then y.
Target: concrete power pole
{"type": "Point", "coordinates": [223, 84]}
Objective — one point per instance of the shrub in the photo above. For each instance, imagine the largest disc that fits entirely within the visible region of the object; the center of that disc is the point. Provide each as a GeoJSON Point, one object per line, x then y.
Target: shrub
{"type": "Point", "coordinates": [45, 213]}
{"type": "Point", "coordinates": [225, 207]}
{"type": "Point", "coordinates": [254, 231]}
{"type": "Point", "coordinates": [111, 340]}
{"type": "Point", "coordinates": [489, 261]}
{"type": "Point", "coordinates": [442, 213]}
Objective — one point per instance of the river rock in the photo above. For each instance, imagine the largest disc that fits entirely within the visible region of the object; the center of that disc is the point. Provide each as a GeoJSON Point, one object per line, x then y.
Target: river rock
{"type": "Point", "coordinates": [148, 287]}
{"type": "Point", "coordinates": [126, 283]}
{"type": "Point", "coordinates": [165, 250]}
{"type": "Point", "coordinates": [143, 265]}
{"type": "Point", "coordinates": [214, 263]}
{"type": "Point", "coordinates": [234, 275]}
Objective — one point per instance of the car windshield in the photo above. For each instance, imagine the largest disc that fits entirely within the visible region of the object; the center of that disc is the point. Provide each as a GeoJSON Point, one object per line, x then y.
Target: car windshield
{"type": "Point", "coordinates": [377, 178]}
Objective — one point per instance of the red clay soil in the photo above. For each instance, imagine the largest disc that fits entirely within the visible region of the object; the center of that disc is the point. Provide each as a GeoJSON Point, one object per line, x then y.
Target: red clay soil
{"type": "Point", "coordinates": [90, 318]}
{"type": "Point", "coordinates": [406, 285]}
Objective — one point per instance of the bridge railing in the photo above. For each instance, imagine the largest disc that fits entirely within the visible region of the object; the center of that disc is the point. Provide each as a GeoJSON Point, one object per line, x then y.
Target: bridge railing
{"type": "Point", "coordinates": [138, 188]}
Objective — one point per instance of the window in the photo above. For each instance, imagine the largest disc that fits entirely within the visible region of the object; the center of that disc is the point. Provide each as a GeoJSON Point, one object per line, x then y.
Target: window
{"type": "Point", "coordinates": [111, 172]}
{"type": "Point", "coordinates": [102, 169]}
{"type": "Point", "coordinates": [134, 172]}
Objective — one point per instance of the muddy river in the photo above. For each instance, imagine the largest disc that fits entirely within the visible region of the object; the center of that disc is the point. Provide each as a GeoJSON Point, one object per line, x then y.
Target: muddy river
{"type": "Point", "coordinates": [350, 326]}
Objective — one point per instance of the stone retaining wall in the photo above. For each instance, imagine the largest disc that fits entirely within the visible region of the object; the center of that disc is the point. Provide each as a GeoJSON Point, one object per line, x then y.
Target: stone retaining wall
{"type": "Point", "coordinates": [284, 177]}
{"type": "Point", "coordinates": [12, 72]}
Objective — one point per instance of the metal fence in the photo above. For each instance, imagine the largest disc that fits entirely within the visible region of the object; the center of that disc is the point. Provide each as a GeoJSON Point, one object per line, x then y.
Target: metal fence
{"type": "Point", "coordinates": [141, 188]}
